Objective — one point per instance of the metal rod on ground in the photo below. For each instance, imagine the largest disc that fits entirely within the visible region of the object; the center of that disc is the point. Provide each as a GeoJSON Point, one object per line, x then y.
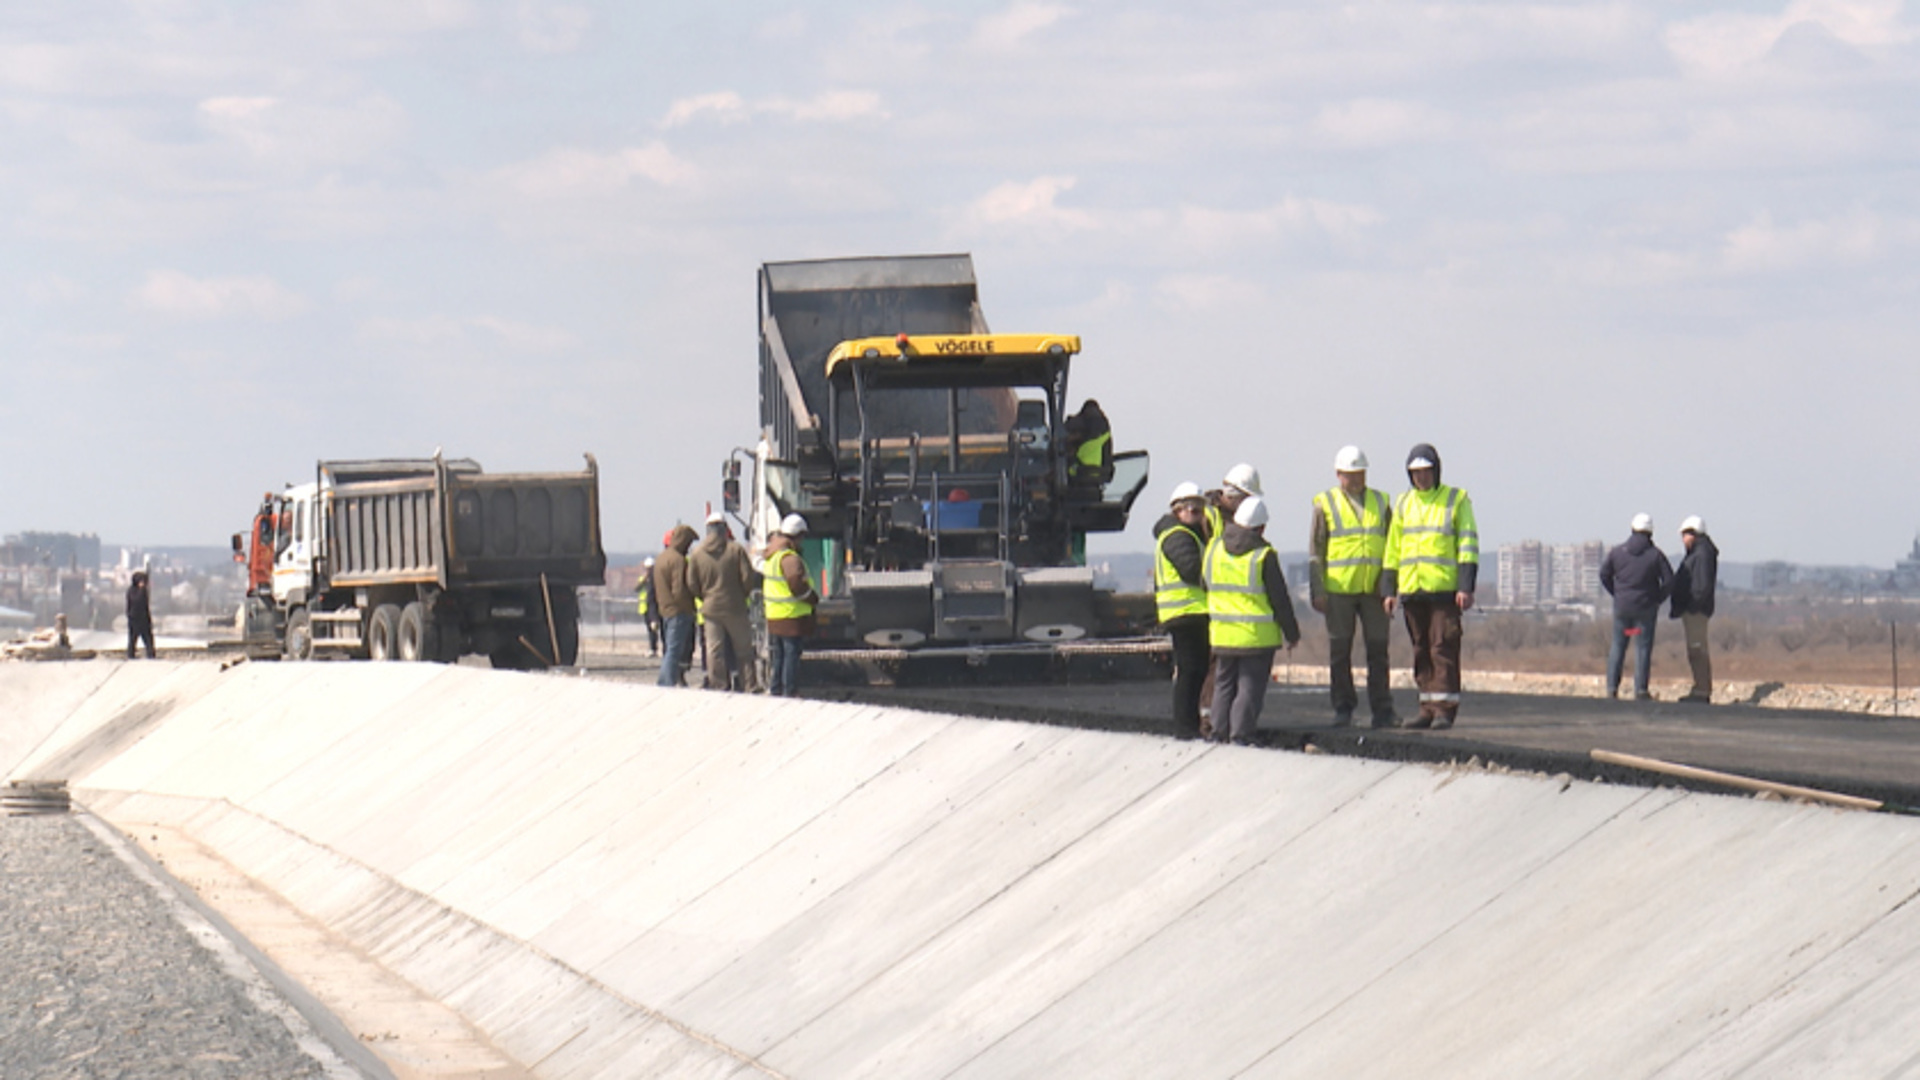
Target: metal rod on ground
{"type": "Point", "coordinates": [533, 650]}
{"type": "Point", "coordinates": [553, 635]}
{"type": "Point", "coordinates": [1745, 783]}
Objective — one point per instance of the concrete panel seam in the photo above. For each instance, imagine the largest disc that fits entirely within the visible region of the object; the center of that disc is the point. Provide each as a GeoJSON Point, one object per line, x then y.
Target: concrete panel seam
{"type": "Point", "coordinates": [1009, 885]}
{"type": "Point", "coordinates": [1761, 1052]}
{"type": "Point", "coordinates": [1148, 938]}
{"type": "Point", "coordinates": [1466, 917]}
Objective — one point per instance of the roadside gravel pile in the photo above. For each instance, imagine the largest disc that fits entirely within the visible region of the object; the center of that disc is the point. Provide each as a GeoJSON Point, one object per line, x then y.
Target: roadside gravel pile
{"type": "Point", "coordinates": [99, 980]}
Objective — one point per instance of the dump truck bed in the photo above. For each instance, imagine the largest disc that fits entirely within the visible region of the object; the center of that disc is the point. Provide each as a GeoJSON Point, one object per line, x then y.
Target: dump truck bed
{"type": "Point", "coordinates": [453, 525]}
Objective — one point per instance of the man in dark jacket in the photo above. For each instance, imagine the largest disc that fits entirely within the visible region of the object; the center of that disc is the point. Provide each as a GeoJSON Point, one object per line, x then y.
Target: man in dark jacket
{"type": "Point", "coordinates": [1180, 594]}
{"type": "Point", "coordinates": [139, 614]}
{"type": "Point", "coordinates": [673, 598]}
{"type": "Point", "coordinates": [1638, 578]}
{"type": "Point", "coordinates": [1249, 616]}
{"type": "Point", "coordinates": [723, 578]}
{"type": "Point", "coordinates": [1693, 603]}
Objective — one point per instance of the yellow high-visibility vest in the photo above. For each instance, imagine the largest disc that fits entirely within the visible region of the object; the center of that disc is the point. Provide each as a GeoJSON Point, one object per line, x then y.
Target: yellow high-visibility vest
{"type": "Point", "coordinates": [1239, 613]}
{"type": "Point", "coordinates": [780, 601]}
{"type": "Point", "coordinates": [1172, 594]}
{"type": "Point", "coordinates": [1433, 533]}
{"type": "Point", "coordinates": [1356, 544]}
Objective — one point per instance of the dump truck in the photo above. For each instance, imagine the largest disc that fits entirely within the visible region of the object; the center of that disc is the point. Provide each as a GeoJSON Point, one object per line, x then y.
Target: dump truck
{"type": "Point", "coordinates": [423, 559]}
{"type": "Point", "coordinates": [947, 490]}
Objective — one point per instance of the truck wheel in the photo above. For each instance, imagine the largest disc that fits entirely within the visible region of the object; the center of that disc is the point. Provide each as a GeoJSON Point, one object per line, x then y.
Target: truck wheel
{"type": "Point", "coordinates": [299, 635]}
{"type": "Point", "coordinates": [415, 633]}
{"type": "Point", "coordinates": [515, 657]}
{"type": "Point", "coordinates": [383, 632]}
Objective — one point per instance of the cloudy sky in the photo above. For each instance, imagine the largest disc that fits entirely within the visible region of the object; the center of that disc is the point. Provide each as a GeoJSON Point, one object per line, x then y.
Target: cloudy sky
{"type": "Point", "coordinates": [1616, 256]}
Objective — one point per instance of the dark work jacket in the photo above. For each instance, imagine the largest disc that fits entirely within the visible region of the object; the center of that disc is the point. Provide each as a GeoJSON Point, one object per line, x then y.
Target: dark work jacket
{"type": "Point", "coordinates": [1239, 540]}
{"type": "Point", "coordinates": [1183, 551]}
{"type": "Point", "coordinates": [1636, 574]}
{"type": "Point", "coordinates": [1693, 583]}
{"type": "Point", "coordinates": [139, 614]}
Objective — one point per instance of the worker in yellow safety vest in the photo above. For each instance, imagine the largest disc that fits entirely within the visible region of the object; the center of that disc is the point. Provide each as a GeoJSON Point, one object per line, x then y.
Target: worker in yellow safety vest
{"type": "Point", "coordinates": [1347, 544]}
{"type": "Point", "coordinates": [1180, 594]}
{"type": "Point", "coordinates": [1431, 566]}
{"type": "Point", "coordinates": [648, 610]}
{"type": "Point", "coordinates": [1249, 616]}
{"type": "Point", "coordinates": [1090, 441]}
{"type": "Point", "coordinates": [787, 591]}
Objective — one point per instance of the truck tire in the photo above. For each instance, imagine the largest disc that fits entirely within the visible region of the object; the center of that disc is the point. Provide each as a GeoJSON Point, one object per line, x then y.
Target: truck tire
{"type": "Point", "coordinates": [299, 644]}
{"type": "Point", "coordinates": [383, 633]}
{"type": "Point", "coordinates": [515, 657]}
{"type": "Point", "coordinates": [417, 637]}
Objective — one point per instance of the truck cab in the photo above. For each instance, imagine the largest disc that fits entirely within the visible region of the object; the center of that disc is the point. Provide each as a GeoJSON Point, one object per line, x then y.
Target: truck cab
{"type": "Point", "coordinates": [295, 543]}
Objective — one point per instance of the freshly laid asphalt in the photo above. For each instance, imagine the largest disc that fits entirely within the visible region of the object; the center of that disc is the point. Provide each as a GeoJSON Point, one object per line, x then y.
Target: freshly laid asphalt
{"type": "Point", "coordinates": [1874, 757]}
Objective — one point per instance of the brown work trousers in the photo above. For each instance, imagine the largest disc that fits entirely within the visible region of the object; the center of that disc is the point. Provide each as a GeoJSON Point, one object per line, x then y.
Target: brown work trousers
{"type": "Point", "coordinates": [1433, 624]}
{"type": "Point", "coordinates": [1699, 657]}
{"type": "Point", "coordinates": [732, 663]}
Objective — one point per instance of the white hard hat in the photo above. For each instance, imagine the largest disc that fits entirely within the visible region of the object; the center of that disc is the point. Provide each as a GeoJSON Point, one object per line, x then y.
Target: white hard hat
{"type": "Point", "coordinates": [1420, 463]}
{"type": "Point", "coordinates": [1643, 523]}
{"type": "Point", "coordinates": [716, 518]}
{"type": "Point", "coordinates": [1245, 478]}
{"type": "Point", "coordinates": [793, 525]}
{"type": "Point", "coordinates": [1184, 490]}
{"type": "Point", "coordinates": [649, 561]}
{"type": "Point", "coordinates": [1252, 513]}
{"type": "Point", "coordinates": [1694, 524]}
{"type": "Point", "coordinates": [1349, 459]}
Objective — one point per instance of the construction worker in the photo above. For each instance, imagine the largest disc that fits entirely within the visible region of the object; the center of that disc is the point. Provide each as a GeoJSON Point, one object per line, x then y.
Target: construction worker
{"type": "Point", "coordinates": [1241, 481]}
{"type": "Point", "coordinates": [1347, 543]}
{"type": "Point", "coordinates": [1180, 594]}
{"type": "Point", "coordinates": [1429, 570]}
{"type": "Point", "coordinates": [1693, 585]}
{"type": "Point", "coordinates": [649, 614]}
{"type": "Point", "coordinates": [1249, 615]}
{"type": "Point", "coordinates": [674, 598]}
{"type": "Point", "coordinates": [723, 578]}
{"type": "Point", "coordinates": [1636, 574]}
{"type": "Point", "coordinates": [1090, 442]}
{"type": "Point", "coordinates": [788, 593]}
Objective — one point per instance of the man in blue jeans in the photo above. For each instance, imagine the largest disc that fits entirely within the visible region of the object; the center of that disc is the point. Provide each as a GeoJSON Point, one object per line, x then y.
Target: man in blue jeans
{"type": "Point", "coordinates": [1637, 576]}
{"type": "Point", "coordinates": [787, 590]}
{"type": "Point", "coordinates": [673, 598]}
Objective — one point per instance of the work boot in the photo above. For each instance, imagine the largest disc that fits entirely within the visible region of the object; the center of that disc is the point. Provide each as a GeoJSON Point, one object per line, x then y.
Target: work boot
{"type": "Point", "coordinates": [1424, 720]}
{"type": "Point", "coordinates": [1698, 699]}
{"type": "Point", "coordinates": [1387, 719]}
{"type": "Point", "coordinates": [1642, 695]}
{"type": "Point", "coordinates": [1342, 717]}
{"type": "Point", "coordinates": [1443, 722]}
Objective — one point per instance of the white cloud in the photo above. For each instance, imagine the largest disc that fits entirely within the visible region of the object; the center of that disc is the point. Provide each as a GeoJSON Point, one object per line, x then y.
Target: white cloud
{"type": "Point", "coordinates": [526, 336]}
{"type": "Point", "coordinates": [727, 107]}
{"type": "Point", "coordinates": [568, 171]}
{"type": "Point", "coordinates": [1761, 245]}
{"type": "Point", "coordinates": [170, 292]}
{"type": "Point", "coordinates": [550, 28]}
{"type": "Point", "coordinates": [1725, 42]}
{"type": "Point", "coordinates": [1213, 228]}
{"type": "Point", "coordinates": [1008, 28]}
{"type": "Point", "coordinates": [300, 134]}
{"type": "Point", "coordinates": [834, 105]}
{"type": "Point", "coordinates": [1032, 202]}
{"type": "Point", "coordinates": [1209, 292]}
{"type": "Point", "coordinates": [443, 331]}
{"type": "Point", "coordinates": [1365, 122]}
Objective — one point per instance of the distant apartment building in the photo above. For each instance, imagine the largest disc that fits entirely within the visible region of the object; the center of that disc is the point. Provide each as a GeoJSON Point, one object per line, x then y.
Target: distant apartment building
{"type": "Point", "coordinates": [1525, 574]}
{"type": "Point", "coordinates": [1576, 570]}
{"type": "Point", "coordinates": [1532, 574]}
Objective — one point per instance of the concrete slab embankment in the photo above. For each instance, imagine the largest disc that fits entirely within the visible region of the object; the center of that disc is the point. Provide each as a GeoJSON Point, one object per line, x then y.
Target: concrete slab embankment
{"type": "Point", "coordinates": [621, 881]}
